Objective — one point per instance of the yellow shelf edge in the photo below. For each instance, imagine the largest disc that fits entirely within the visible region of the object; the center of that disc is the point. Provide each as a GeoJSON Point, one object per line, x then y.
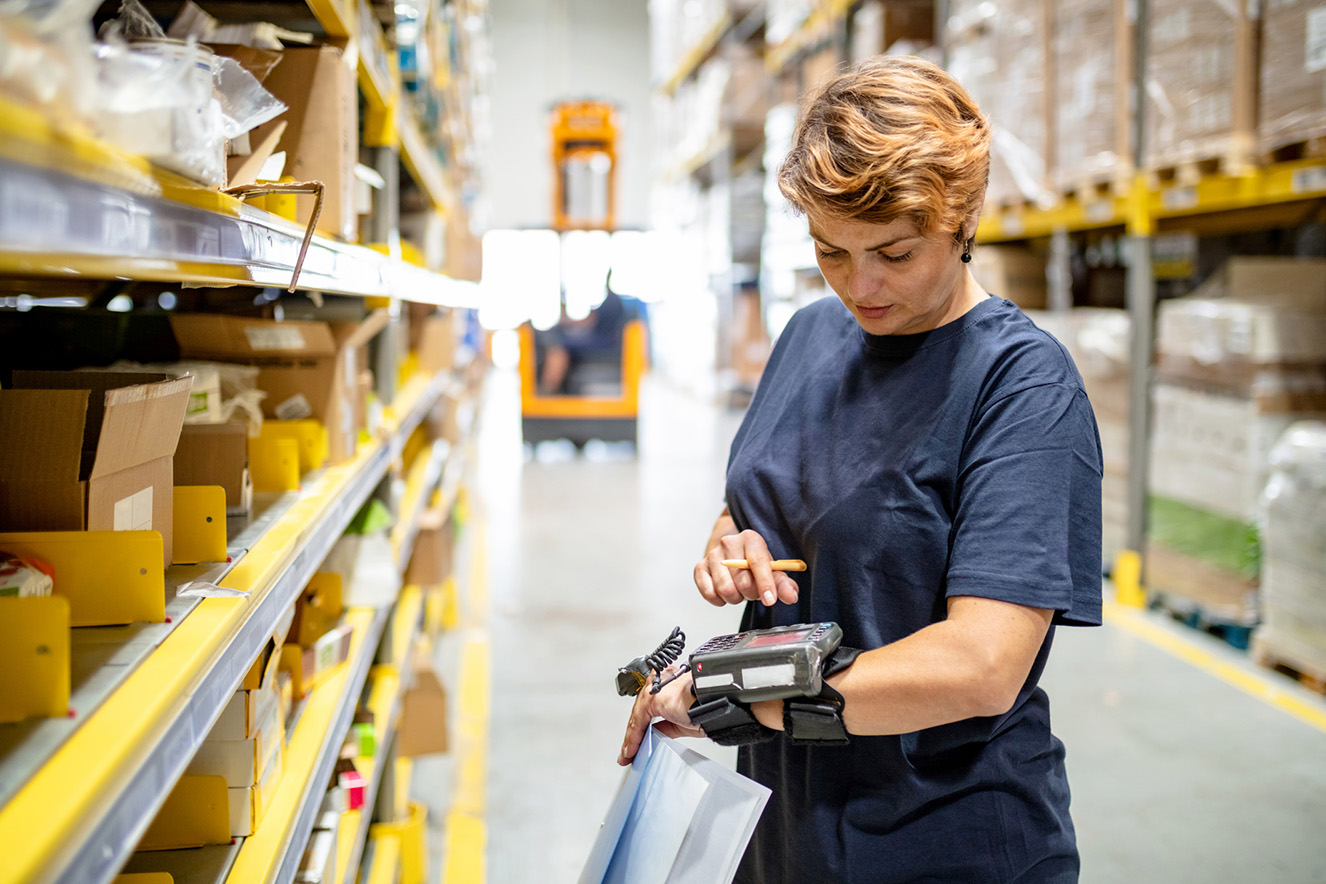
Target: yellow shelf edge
{"type": "Point", "coordinates": [695, 56]}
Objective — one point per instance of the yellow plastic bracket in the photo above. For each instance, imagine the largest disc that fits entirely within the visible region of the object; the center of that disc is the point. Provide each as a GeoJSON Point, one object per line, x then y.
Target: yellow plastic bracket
{"type": "Point", "coordinates": [144, 878]}
{"type": "Point", "coordinates": [109, 577]}
{"type": "Point", "coordinates": [197, 812]}
{"type": "Point", "coordinates": [34, 655]}
{"type": "Point", "coordinates": [199, 524]}
{"type": "Point", "coordinates": [319, 608]}
{"type": "Point", "coordinates": [274, 464]}
{"type": "Point", "coordinates": [413, 849]}
{"type": "Point", "coordinates": [310, 438]}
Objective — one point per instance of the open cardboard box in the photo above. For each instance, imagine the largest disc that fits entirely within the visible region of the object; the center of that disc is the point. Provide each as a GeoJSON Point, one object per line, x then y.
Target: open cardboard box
{"type": "Point", "coordinates": [304, 367]}
{"type": "Point", "coordinates": [90, 451]}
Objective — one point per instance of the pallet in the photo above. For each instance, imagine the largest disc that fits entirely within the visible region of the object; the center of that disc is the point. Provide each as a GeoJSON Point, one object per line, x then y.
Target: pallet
{"type": "Point", "coordinates": [1102, 187]}
{"type": "Point", "coordinates": [1311, 677]}
{"type": "Point", "coordinates": [1307, 149]}
{"type": "Point", "coordinates": [1237, 635]}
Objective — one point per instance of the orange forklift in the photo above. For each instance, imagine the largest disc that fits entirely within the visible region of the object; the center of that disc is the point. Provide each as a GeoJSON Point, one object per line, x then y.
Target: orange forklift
{"type": "Point", "coordinates": [597, 392]}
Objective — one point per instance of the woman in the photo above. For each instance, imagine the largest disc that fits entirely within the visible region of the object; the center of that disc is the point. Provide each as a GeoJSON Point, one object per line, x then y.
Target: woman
{"type": "Point", "coordinates": [932, 456]}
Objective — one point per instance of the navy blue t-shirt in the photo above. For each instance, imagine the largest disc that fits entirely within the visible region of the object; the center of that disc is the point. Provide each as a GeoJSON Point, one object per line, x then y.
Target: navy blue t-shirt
{"type": "Point", "coordinates": [906, 469]}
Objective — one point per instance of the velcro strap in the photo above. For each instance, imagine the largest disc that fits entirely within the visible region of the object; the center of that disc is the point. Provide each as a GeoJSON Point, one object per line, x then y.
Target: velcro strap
{"type": "Point", "coordinates": [811, 722]}
{"type": "Point", "coordinates": [729, 723]}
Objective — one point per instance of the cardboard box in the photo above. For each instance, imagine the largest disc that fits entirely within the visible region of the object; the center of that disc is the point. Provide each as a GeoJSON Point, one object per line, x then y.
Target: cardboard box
{"type": "Point", "coordinates": [217, 454]}
{"type": "Point", "coordinates": [436, 344]}
{"type": "Point", "coordinates": [302, 367]}
{"type": "Point", "coordinates": [1292, 105]}
{"type": "Point", "coordinates": [430, 563]}
{"type": "Point", "coordinates": [240, 718]}
{"type": "Point", "coordinates": [249, 803]}
{"type": "Point", "coordinates": [424, 720]}
{"type": "Point", "coordinates": [321, 138]}
{"type": "Point", "coordinates": [318, 609]}
{"type": "Point", "coordinates": [1015, 273]}
{"type": "Point", "coordinates": [90, 451]}
{"type": "Point", "coordinates": [242, 762]}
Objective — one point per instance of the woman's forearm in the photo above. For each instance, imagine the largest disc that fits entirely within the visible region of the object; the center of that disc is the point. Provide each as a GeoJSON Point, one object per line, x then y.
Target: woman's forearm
{"type": "Point", "coordinates": [970, 665]}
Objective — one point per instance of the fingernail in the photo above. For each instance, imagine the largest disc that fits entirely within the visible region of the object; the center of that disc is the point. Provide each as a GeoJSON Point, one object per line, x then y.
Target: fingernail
{"type": "Point", "coordinates": [770, 598]}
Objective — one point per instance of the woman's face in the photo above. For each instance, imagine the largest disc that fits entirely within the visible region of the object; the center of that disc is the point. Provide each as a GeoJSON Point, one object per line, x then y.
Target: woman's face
{"type": "Point", "coordinates": [893, 278]}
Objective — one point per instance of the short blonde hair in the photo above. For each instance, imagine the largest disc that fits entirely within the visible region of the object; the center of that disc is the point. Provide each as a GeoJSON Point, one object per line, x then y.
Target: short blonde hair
{"type": "Point", "coordinates": [892, 137]}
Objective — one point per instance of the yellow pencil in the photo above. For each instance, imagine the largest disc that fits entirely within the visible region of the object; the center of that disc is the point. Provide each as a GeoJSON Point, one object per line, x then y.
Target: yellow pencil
{"type": "Point", "coordinates": [776, 564]}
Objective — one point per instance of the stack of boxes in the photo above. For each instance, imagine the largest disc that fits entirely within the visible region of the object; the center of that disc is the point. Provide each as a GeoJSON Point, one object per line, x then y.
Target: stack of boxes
{"type": "Point", "coordinates": [1293, 627]}
{"type": "Point", "coordinates": [1201, 85]}
{"type": "Point", "coordinates": [1238, 362]}
{"type": "Point", "coordinates": [1001, 54]}
{"type": "Point", "coordinates": [1292, 92]}
{"type": "Point", "coordinates": [1091, 53]}
{"type": "Point", "coordinates": [1098, 340]}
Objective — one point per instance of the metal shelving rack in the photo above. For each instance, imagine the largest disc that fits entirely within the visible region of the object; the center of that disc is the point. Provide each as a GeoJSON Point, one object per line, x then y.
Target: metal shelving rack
{"type": "Point", "coordinates": [77, 794]}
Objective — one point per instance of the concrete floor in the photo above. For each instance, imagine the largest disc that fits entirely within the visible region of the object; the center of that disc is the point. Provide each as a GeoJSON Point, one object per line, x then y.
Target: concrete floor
{"type": "Point", "coordinates": [1178, 776]}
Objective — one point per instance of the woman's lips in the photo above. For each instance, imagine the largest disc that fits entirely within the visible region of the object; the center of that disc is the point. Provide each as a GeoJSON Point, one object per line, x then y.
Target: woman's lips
{"type": "Point", "coordinates": [873, 312]}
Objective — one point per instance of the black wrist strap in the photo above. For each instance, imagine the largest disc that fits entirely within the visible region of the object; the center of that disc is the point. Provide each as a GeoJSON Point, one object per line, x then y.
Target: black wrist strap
{"type": "Point", "coordinates": [729, 723]}
{"type": "Point", "coordinates": [818, 721]}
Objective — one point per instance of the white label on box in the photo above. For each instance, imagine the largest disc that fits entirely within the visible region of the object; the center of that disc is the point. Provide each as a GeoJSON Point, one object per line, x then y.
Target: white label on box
{"type": "Point", "coordinates": [296, 408]}
{"type": "Point", "coordinates": [1314, 56]}
{"type": "Point", "coordinates": [134, 513]}
{"type": "Point", "coordinates": [1309, 179]}
{"type": "Point", "coordinates": [269, 338]}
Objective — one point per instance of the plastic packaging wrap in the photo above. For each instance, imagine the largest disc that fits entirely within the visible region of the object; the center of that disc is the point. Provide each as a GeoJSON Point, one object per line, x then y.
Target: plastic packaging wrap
{"type": "Point", "coordinates": [1200, 83]}
{"type": "Point", "coordinates": [998, 52]}
{"type": "Point", "coordinates": [1293, 73]}
{"type": "Point", "coordinates": [1089, 93]}
{"type": "Point", "coordinates": [1294, 544]}
{"type": "Point", "coordinates": [46, 59]}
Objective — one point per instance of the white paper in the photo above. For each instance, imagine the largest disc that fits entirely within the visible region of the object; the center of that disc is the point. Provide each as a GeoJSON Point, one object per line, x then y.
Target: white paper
{"type": "Point", "coordinates": [657, 823]}
{"type": "Point", "coordinates": [638, 841]}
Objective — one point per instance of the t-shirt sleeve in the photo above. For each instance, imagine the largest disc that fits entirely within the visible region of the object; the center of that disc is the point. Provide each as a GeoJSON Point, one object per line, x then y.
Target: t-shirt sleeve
{"type": "Point", "coordinates": [1027, 529]}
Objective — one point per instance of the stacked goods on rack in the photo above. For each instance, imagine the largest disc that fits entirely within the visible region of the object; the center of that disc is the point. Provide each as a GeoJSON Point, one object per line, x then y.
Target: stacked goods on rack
{"type": "Point", "coordinates": [1201, 85]}
{"type": "Point", "coordinates": [1293, 628]}
{"type": "Point", "coordinates": [1292, 89]}
{"type": "Point", "coordinates": [1091, 55]}
{"type": "Point", "coordinates": [1013, 272]}
{"type": "Point", "coordinates": [1000, 54]}
{"type": "Point", "coordinates": [308, 371]}
{"type": "Point", "coordinates": [1098, 341]}
{"type": "Point", "coordinates": [1238, 362]}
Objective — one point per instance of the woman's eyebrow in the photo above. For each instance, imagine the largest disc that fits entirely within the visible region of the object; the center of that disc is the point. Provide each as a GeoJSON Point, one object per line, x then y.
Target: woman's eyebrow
{"type": "Point", "coordinates": [884, 245]}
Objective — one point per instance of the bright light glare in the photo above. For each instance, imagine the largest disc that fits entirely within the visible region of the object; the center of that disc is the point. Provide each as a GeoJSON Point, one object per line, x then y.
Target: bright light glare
{"type": "Point", "coordinates": [120, 304]}
{"type": "Point", "coordinates": [585, 263]}
{"type": "Point", "coordinates": [521, 278]}
{"type": "Point", "coordinates": [506, 348]}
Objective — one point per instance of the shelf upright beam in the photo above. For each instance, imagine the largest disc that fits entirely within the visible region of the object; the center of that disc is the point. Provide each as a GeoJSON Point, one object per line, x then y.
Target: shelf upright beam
{"type": "Point", "coordinates": [1140, 300]}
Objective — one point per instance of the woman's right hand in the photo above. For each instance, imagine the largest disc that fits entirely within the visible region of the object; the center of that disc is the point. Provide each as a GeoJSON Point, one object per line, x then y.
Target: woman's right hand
{"type": "Point", "coordinates": [721, 585]}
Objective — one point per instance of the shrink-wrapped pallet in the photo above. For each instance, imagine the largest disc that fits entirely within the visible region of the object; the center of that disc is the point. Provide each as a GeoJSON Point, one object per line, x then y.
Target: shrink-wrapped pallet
{"type": "Point", "coordinates": [1293, 630]}
{"type": "Point", "coordinates": [1200, 83]}
{"type": "Point", "coordinates": [1293, 73]}
{"type": "Point", "coordinates": [1091, 59]}
{"type": "Point", "coordinates": [999, 53]}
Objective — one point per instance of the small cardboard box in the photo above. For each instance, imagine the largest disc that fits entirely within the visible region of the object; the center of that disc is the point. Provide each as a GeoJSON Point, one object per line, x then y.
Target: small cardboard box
{"type": "Point", "coordinates": [321, 138]}
{"type": "Point", "coordinates": [303, 368]}
{"type": "Point", "coordinates": [242, 762]}
{"type": "Point", "coordinates": [424, 721]}
{"type": "Point", "coordinates": [90, 451]}
{"type": "Point", "coordinates": [1012, 272]}
{"type": "Point", "coordinates": [437, 344]}
{"type": "Point", "coordinates": [249, 803]}
{"type": "Point", "coordinates": [430, 563]}
{"type": "Point", "coordinates": [217, 454]}
{"type": "Point", "coordinates": [241, 716]}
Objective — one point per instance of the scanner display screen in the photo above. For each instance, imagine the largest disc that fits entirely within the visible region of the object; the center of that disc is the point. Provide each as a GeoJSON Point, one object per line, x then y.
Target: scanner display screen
{"type": "Point", "coordinates": [778, 638]}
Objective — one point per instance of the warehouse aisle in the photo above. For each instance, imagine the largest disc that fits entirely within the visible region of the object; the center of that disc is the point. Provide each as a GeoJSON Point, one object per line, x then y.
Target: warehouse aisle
{"type": "Point", "coordinates": [1178, 775]}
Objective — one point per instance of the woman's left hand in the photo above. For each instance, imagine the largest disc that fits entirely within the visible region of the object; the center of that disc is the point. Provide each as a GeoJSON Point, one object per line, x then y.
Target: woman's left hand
{"type": "Point", "coordinates": [671, 704]}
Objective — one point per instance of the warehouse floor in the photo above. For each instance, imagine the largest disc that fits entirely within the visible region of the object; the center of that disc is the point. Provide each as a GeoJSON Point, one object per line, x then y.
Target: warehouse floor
{"type": "Point", "coordinates": [1187, 762]}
